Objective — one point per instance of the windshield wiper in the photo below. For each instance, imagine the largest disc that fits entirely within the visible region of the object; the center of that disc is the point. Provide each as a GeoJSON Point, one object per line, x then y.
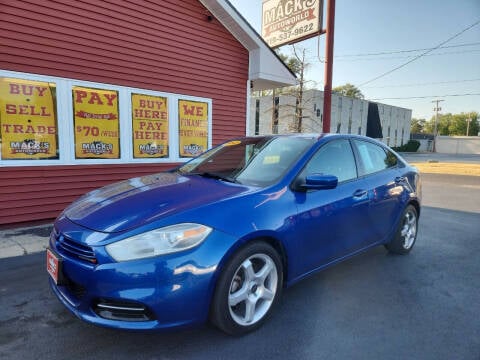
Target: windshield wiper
{"type": "Point", "coordinates": [212, 175]}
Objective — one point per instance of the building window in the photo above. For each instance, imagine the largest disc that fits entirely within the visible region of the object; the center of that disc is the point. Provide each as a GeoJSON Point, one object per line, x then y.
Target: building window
{"type": "Point", "coordinates": [96, 123]}
{"type": "Point", "coordinates": [149, 126]}
{"type": "Point", "coordinates": [193, 127]}
{"type": "Point", "coordinates": [257, 116]}
{"type": "Point", "coordinates": [275, 115]}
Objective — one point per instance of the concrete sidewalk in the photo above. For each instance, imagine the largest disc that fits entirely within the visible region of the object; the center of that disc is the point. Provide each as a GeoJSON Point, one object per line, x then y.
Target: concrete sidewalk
{"type": "Point", "coordinates": [436, 157]}
{"type": "Point", "coordinates": [24, 241]}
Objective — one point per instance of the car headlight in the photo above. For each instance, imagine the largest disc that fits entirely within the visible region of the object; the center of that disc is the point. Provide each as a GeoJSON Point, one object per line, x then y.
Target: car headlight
{"type": "Point", "coordinates": [157, 242]}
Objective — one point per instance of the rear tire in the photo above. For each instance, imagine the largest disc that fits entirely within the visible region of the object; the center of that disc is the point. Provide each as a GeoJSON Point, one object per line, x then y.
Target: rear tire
{"type": "Point", "coordinates": [248, 289]}
{"type": "Point", "coordinates": [406, 233]}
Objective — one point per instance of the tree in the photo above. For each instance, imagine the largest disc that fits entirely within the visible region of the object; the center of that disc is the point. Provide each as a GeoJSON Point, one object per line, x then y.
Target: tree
{"type": "Point", "coordinates": [293, 63]}
{"type": "Point", "coordinates": [473, 126]}
{"type": "Point", "coordinates": [454, 124]}
{"type": "Point", "coordinates": [458, 124]}
{"type": "Point", "coordinates": [298, 65]}
{"type": "Point", "coordinates": [417, 126]}
{"type": "Point", "coordinates": [348, 90]}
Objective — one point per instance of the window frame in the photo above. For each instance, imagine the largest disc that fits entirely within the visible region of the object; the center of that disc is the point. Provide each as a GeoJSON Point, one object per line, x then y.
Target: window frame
{"type": "Point", "coordinates": [65, 123]}
{"type": "Point", "coordinates": [300, 178]}
{"type": "Point", "coordinates": [360, 162]}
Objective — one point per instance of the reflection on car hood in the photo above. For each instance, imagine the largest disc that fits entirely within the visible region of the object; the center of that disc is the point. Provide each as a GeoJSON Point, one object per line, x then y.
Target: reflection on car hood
{"type": "Point", "coordinates": [134, 202]}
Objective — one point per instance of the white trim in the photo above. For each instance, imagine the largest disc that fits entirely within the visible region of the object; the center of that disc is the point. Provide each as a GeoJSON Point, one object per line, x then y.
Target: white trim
{"type": "Point", "coordinates": [65, 127]}
{"type": "Point", "coordinates": [247, 110]}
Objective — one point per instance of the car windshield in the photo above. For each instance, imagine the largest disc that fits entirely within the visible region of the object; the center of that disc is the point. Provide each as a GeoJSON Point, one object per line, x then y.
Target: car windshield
{"type": "Point", "coordinates": [257, 161]}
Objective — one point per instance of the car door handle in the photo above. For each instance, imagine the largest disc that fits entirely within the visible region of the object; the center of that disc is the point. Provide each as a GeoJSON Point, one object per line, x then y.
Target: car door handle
{"type": "Point", "coordinates": [400, 179]}
{"type": "Point", "coordinates": [360, 194]}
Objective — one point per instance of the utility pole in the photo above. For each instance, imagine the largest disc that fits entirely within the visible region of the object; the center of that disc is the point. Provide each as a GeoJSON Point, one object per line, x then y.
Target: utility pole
{"type": "Point", "coordinates": [468, 124]}
{"type": "Point", "coordinates": [436, 109]}
{"type": "Point", "coordinates": [327, 90]}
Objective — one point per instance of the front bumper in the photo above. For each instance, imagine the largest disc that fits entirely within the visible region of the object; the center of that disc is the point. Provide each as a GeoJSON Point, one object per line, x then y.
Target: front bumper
{"type": "Point", "coordinates": [155, 293]}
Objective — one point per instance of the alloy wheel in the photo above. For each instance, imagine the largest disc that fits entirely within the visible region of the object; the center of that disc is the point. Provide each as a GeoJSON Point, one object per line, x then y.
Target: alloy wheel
{"type": "Point", "coordinates": [409, 229]}
{"type": "Point", "coordinates": [252, 289]}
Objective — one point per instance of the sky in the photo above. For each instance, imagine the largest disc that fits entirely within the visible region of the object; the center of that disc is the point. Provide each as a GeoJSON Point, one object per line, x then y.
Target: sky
{"type": "Point", "coordinates": [394, 27]}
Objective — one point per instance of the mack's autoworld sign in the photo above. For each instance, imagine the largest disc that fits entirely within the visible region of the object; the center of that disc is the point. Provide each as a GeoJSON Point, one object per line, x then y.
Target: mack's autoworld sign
{"type": "Point", "coordinates": [288, 21]}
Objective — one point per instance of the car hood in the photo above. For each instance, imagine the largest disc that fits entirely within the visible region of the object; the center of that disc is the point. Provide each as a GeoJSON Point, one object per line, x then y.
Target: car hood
{"type": "Point", "coordinates": [134, 202]}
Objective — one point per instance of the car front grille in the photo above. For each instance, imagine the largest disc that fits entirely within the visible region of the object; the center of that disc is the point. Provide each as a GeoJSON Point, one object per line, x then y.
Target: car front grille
{"type": "Point", "coordinates": [74, 249]}
{"type": "Point", "coordinates": [77, 290]}
{"type": "Point", "coordinates": [122, 310]}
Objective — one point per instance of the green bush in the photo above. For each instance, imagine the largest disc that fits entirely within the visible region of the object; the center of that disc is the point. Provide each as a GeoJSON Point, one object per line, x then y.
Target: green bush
{"type": "Point", "coordinates": [411, 146]}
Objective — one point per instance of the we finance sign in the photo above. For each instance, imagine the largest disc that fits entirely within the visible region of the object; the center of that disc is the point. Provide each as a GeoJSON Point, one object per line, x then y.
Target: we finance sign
{"type": "Point", "coordinates": [289, 21]}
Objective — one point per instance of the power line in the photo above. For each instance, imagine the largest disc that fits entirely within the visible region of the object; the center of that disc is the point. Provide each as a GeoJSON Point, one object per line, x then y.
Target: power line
{"type": "Point", "coordinates": [421, 84]}
{"type": "Point", "coordinates": [420, 55]}
{"type": "Point", "coordinates": [318, 58]}
{"type": "Point", "coordinates": [425, 97]}
{"type": "Point", "coordinates": [407, 51]}
{"type": "Point", "coordinates": [404, 57]}
{"type": "Point", "coordinates": [409, 56]}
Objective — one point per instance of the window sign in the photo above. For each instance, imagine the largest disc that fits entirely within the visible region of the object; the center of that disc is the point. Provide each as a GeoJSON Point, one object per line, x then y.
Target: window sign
{"type": "Point", "coordinates": [63, 121]}
{"type": "Point", "coordinates": [150, 126]}
{"type": "Point", "coordinates": [193, 127]}
{"type": "Point", "coordinates": [96, 120]}
{"type": "Point", "coordinates": [28, 124]}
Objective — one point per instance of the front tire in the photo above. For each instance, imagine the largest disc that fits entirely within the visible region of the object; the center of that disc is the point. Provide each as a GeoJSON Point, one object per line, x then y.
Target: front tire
{"type": "Point", "coordinates": [406, 234]}
{"type": "Point", "coordinates": [248, 289]}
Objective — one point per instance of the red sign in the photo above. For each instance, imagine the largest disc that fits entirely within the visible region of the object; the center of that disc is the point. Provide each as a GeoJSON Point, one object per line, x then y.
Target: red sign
{"type": "Point", "coordinates": [52, 265]}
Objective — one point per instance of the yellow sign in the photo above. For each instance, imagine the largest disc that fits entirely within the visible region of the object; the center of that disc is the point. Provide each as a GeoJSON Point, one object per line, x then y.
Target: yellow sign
{"type": "Point", "coordinates": [232, 143]}
{"type": "Point", "coordinates": [28, 126]}
{"type": "Point", "coordinates": [97, 133]}
{"type": "Point", "coordinates": [150, 126]}
{"type": "Point", "coordinates": [193, 127]}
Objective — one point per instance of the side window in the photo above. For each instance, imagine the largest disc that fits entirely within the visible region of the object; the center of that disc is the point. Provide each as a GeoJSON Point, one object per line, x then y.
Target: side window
{"type": "Point", "coordinates": [373, 158]}
{"type": "Point", "coordinates": [391, 159]}
{"type": "Point", "coordinates": [333, 158]}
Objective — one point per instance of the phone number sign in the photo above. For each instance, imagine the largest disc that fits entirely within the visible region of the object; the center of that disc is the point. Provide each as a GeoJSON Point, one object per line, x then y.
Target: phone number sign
{"type": "Point", "coordinates": [286, 22]}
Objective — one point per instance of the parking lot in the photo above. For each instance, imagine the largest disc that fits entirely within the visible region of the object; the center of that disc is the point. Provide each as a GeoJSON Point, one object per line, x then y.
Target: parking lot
{"type": "Point", "coordinates": [376, 306]}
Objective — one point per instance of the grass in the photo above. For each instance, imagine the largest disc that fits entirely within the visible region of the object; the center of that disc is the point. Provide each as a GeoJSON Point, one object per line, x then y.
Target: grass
{"type": "Point", "coordinates": [448, 168]}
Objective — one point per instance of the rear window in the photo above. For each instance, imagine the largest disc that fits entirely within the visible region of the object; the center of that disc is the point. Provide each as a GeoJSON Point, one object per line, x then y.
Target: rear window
{"type": "Point", "coordinates": [373, 158]}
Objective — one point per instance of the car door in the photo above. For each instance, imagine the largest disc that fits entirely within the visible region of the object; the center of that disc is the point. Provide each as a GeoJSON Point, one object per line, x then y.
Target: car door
{"type": "Point", "coordinates": [331, 223]}
{"type": "Point", "coordinates": [378, 169]}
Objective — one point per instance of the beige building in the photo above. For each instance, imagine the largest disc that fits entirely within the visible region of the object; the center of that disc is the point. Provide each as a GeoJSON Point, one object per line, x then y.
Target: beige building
{"type": "Point", "coordinates": [389, 124]}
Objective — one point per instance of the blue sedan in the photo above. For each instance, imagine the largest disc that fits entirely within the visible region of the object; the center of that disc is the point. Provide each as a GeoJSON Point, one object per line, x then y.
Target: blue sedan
{"type": "Point", "coordinates": [220, 237]}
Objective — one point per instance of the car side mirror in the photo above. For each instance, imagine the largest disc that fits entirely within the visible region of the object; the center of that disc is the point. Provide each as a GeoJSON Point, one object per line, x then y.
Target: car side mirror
{"type": "Point", "coordinates": [320, 182]}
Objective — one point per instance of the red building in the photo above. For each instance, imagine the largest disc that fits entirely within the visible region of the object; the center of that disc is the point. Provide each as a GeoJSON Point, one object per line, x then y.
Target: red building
{"type": "Point", "coordinates": [92, 92]}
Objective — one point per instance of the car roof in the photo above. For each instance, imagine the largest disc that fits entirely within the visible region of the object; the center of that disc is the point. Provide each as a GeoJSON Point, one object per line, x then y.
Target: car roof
{"type": "Point", "coordinates": [318, 136]}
